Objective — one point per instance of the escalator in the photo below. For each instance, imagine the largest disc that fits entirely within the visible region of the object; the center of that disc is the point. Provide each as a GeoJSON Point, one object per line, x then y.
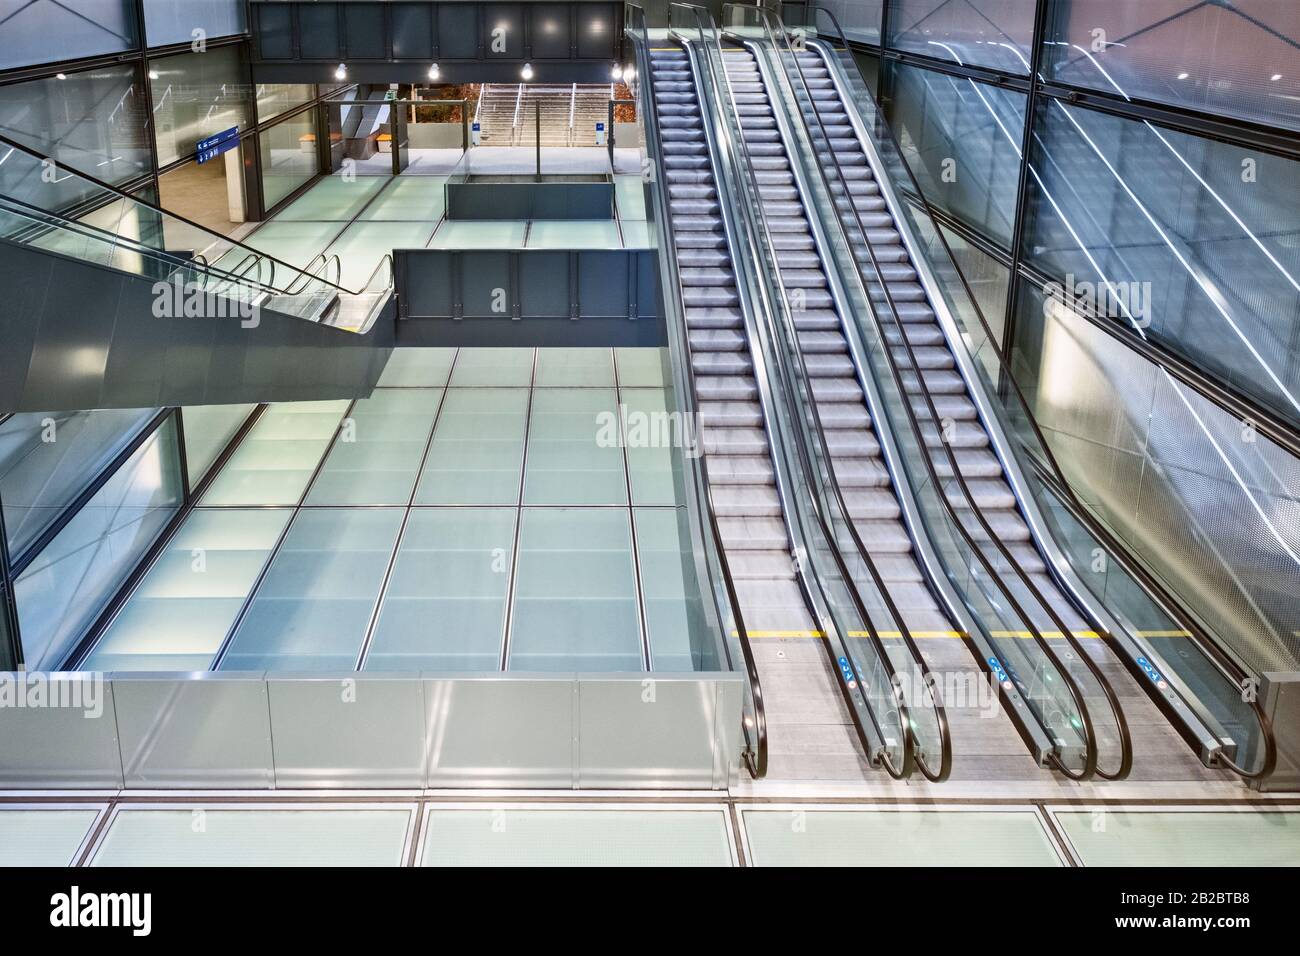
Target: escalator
{"type": "Point", "coordinates": [731, 417]}
{"type": "Point", "coordinates": [780, 528]}
{"type": "Point", "coordinates": [962, 446]}
{"type": "Point", "coordinates": [190, 317]}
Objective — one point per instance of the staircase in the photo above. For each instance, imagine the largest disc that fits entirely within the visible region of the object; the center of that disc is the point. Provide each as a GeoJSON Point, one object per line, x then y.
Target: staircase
{"type": "Point", "coordinates": [496, 113]}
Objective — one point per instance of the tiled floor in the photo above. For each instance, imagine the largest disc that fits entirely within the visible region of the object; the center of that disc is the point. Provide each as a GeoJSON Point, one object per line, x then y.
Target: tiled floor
{"type": "Point", "coordinates": [361, 218]}
{"type": "Point", "coordinates": [480, 509]}
{"type": "Point", "coordinates": [283, 831]}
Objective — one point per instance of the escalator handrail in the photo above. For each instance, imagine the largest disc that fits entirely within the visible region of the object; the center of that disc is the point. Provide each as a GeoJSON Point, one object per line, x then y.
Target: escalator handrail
{"type": "Point", "coordinates": [153, 207]}
{"type": "Point", "coordinates": [816, 425]}
{"type": "Point", "coordinates": [36, 214]}
{"type": "Point", "coordinates": [1091, 750]}
{"type": "Point", "coordinates": [742, 163]}
{"type": "Point", "coordinates": [676, 311]}
{"type": "Point", "coordinates": [1064, 490]}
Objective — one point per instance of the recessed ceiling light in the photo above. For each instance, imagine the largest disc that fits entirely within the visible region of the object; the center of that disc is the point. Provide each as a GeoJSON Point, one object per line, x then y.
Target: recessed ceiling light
{"type": "Point", "coordinates": [1183, 76]}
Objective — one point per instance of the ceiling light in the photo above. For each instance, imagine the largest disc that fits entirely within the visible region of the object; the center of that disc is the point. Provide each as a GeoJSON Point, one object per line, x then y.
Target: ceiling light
{"type": "Point", "coordinates": [527, 71]}
{"type": "Point", "coordinates": [1275, 77]}
{"type": "Point", "coordinates": [60, 76]}
{"type": "Point", "coordinates": [1183, 76]}
{"type": "Point", "coordinates": [434, 72]}
{"type": "Point", "coordinates": [153, 74]}
{"type": "Point", "coordinates": [342, 72]}
{"type": "Point", "coordinates": [617, 72]}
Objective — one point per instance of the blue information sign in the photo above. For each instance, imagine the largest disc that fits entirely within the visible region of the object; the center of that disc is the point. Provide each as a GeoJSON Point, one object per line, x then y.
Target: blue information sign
{"type": "Point", "coordinates": [214, 146]}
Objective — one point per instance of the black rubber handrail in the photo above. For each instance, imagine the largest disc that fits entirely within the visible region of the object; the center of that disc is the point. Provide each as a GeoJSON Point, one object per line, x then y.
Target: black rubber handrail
{"type": "Point", "coordinates": [1090, 767]}
{"type": "Point", "coordinates": [757, 758]}
{"type": "Point", "coordinates": [54, 220]}
{"type": "Point", "coordinates": [121, 194]}
{"type": "Point", "coordinates": [1164, 598]}
{"type": "Point", "coordinates": [864, 554]}
{"type": "Point", "coordinates": [744, 166]}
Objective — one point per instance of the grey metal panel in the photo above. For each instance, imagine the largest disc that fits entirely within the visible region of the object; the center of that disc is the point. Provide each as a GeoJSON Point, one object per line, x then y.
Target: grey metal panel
{"type": "Point", "coordinates": [597, 33]}
{"type": "Point", "coordinates": [366, 32]}
{"type": "Point", "coordinates": [509, 19]}
{"type": "Point", "coordinates": [412, 30]}
{"type": "Point", "coordinates": [199, 731]}
{"type": "Point", "coordinates": [496, 731]}
{"type": "Point", "coordinates": [539, 294]}
{"type": "Point", "coordinates": [348, 730]}
{"type": "Point", "coordinates": [318, 31]}
{"type": "Point", "coordinates": [549, 30]}
{"type": "Point", "coordinates": [475, 200]}
{"type": "Point", "coordinates": [655, 731]}
{"type": "Point", "coordinates": [458, 37]}
{"type": "Point", "coordinates": [274, 30]}
{"type": "Point", "coordinates": [60, 747]}
{"type": "Point", "coordinates": [81, 335]}
{"type": "Point", "coordinates": [485, 282]}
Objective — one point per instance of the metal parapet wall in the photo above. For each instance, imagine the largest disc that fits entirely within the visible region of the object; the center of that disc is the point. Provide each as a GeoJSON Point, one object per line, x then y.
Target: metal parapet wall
{"type": "Point", "coordinates": [82, 335]}
{"type": "Point", "coordinates": [264, 731]}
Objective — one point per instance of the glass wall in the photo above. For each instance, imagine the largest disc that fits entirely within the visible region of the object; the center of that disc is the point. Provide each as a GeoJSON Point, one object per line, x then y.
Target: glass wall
{"type": "Point", "coordinates": [962, 140]}
{"type": "Point", "coordinates": [47, 459]}
{"type": "Point", "coordinates": [1234, 59]}
{"type": "Point", "coordinates": [1200, 241]}
{"type": "Point", "coordinates": [276, 98]}
{"type": "Point", "coordinates": [46, 31]}
{"type": "Point", "coordinates": [192, 21]}
{"type": "Point", "coordinates": [94, 121]}
{"type": "Point", "coordinates": [996, 34]}
{"type": "Point", "coordinates": [65, 588]}
{"type": "Point", "coordinates": [288, 156]}
{"type": "Point", "coordinates": [196, 95]}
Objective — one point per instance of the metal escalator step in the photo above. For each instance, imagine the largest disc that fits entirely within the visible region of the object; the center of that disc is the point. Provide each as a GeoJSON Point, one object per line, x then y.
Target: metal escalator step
{"type": "Point", "coordinates": [740, 469]}
{"type": "Point", "coordinates": [956, 407]}
{"type": "Point", "coordinates": [927, 357]}
{"type": "Point", "coordinates": [758, 565]}
{"type": "Point", "coordinates": [731, 414]}
{"type": "Point", "coordinates": [852, 444]}
{"type": "Point", "coordinates": [843, 388]}
{"type": "Point", "coordinates": [718, 317]}
{"type": "Point", "coordinates": [704, 258]}
{"type": "Point", "coordinates": [803, 278]}
{"type": "Point", "coordinates": [714, 276]}
{"type": "Point", "coordinates": [917, 334]}
{"type": "Point", "coordinates": [816, 320]}
{"type": "Point", "coordinates": [862, 473]}
{"type": "Point", "coordinates": [718, 340]}
{"type": "Point", "coordinates": [726, 388]}
{"type": "Point", "coordinates": [822, 343]}
{"type": "Point", "coordinates": [883, 537]}
{"type": "Point", "coordinates": [990, 494]}
{"type": "Point", "coordinates": [746, 501]}
{"type": "Point", "coordinates": [722, 363]}
{"type": "Point", "coordinates": [710, 296]}
{"type": "Point", "coordinates": [753, 534]}
{"type": "Point", "coordinates": [734, 441]}
{"type": "Point", "coordinates": [843, 415]}
{"type": "Point", "coordinates": [872, 504]}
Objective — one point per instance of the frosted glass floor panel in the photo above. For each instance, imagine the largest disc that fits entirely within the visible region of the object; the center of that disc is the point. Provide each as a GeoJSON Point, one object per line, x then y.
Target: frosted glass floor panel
{"type": "Point", "coordinates": [30, 837]}
{"type": "Point", "coordinates": [178, 617]}
{"type": "Point", "coordinates": [276, 459]}
{"type": "Point", "coordinates": [492, 234]}
{"type": "Point", "coordinates": [445, 605]}
{"type": "Point", "coordinates": [493, 366]}
{"type": "Point", "coordinates": [1145, 838]}
{"type": "Point", "coordinates": [629, 198]}
{"type": "Point", "coordinates": [417, 368]}
{"type": "Point", "coordinates": [418, 198]}
{"type": "Point", "coordinates": [255, 837]}
{"type": "Point", "coordinates": [364, 244]}
{"type": "Point", "coordinates": [296, 243]}
{"type": "Point", "coordinates": [477, 453]}
{"type": "Point", "coordinates": [377, 457]}
{"type": "Point", "coordinates": [574, 367]}
{"type": "Point", "coordinates": [574, 449]}
{"type": "Point", "coordinates": [681, 636]}
{"type": "Point", "coordinates": [557, 234]}
{"type": "Point", "coordinates": [641, 367]}
{"type": "Point", "coordinates": [575, 603]}
{"type": "Point", "coordinates": [333, 199]}
{"type": "Point", "coordinates": [810, 837]}
{"type": "Point", "coordinates": [313, 608]}
{"type": "Point", "coordinates": [655, 438]}
{"type": "Point", "coordinates": [587, 837]}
